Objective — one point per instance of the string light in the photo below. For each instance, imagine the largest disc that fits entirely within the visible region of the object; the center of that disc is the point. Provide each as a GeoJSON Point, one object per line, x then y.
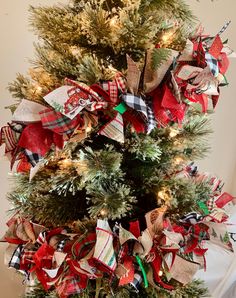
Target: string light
{"type": "Point", "coordinates": [75, 51]}
{"type": "Point", "coordinates": [161, 194]}
{"type": "Point", "coordinates": [173, 132]}
{"type": "Point", "coordinates": [167, 37]}
{"type": "Point", "coordinates": [65, 163]}
{"type": "Point", "coordinates": [178, 160]}
{"type": "Point", "coordinates": [113, 22]}
{"type": "Point", "coordinates": [165, 195]}
{"type": "Point", "coordinates": [103, 212]}
{"type": "Point", "coordinates": [81, 167]}
{"type": "Point", "coordinates": [88, 129]}
{"type": "Point", "coordinates": [39, 88]}
{"type": "Point", "coordinates": [160, 273]}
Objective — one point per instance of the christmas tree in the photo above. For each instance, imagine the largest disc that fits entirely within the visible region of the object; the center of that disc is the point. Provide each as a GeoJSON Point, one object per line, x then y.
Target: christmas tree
{"type": "Point", "coordinates": [107, 199]}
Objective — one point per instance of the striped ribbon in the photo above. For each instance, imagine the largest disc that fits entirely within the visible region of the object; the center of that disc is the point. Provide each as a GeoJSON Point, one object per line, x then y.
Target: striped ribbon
{"type": "Point", "coordinates": [104, 252]}
{"type": "Point", "coordinates": [114, 129]}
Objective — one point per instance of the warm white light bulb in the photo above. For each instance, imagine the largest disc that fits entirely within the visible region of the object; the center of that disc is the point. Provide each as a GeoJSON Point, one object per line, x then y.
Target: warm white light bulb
{"type": "Point", "coordinates": [88, 129]}
{"type": "Point", "coordinates": [66, 162]}
{"type": "Point", "coordinates": [166, 37]}
{"type": "Point", "coordinates": [161, 194]}
{"type": "Point", "coordinates": [178, 160]}
{"type": "Point", "coordinates": [113, 22]}
{"type": "Point", "coordinates": [39, 88]}
{"type": "Point", "coordinates": [103, 212]}
{"type": "Point", "coordinates": [173, 133]}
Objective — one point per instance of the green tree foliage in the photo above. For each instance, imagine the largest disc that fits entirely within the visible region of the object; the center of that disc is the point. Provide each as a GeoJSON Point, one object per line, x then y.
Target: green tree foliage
{"type": "Point", "coordinates": [88, 41]}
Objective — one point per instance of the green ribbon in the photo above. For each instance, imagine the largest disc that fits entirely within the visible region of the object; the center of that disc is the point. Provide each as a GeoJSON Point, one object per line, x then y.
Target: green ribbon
{"type": "Point", "coordinates": [203, 207]}
{"type": "Point", "coordinates": [143, 271]}
{"type": "Point", "coordinates": [121, 108]}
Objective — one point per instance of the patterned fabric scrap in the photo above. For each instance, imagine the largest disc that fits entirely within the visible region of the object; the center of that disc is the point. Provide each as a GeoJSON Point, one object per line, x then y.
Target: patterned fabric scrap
{"type": "Point", "coordinates": [104, 252]}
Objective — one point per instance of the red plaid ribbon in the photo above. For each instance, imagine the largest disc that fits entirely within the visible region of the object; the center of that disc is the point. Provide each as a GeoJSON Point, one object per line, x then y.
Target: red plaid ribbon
{"type": "Point", "coordinates": [23, 165]}
{"type": "Point", "coordinates": [72, 284]}
{"type": "Point", "coordinates": [27, 261]}
{"type": "Point", "coordinates": [115, 88]}
{"type": "Point", "coordinates": [59, 123]}
{"type": "Point", "coordinates": [86, 89]}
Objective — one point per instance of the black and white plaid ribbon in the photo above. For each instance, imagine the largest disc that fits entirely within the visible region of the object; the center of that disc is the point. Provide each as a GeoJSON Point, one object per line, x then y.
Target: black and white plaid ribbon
{"type": "Point", "coordinates": [213, 64]}
{"type": "Point", "coordinates": [139, 105]}
{"type": "Point", "coordinates": [16, 258]}
{"type": "Point", "coordinates": [192, 218]}
{"type": "Point", "coordinates": [151, 119]}
{"type": "Point", "coordinates": [136, 103]}
{"type": "Point", "coordinates": [33, 158]}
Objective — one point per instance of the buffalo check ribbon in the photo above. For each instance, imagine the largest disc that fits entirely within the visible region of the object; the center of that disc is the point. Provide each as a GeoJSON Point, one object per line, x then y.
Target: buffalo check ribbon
{"type": "Point", "coordinates": [139, 105]}
{"type": "Point", "coordinates": [16, 257]}
{"type": "Point", "coordinates": [222, 30]}
{"type": "Point", "coordinates": [135, 102]}
{"type": "Point", "coordinates": [192, 218]}
{"type": "Point", "coordinates": [137, 281]}
{"type": "Point", "coordinates": [33, 158]}
{"type": "Point", "coordinates": [115, 91]}
{"type": "Point", "coordinates": [151, 119]}
{"type": "Point", "coordinates": [212, 63]}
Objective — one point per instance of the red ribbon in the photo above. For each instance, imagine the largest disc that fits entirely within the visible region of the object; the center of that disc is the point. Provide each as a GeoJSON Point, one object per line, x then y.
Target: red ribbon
{"type": "Point", "coordinates": [134, 228]}
{"type": "Point", "coordinates": [166, 107]}
{"type": "Point", "coordinates": [223, 63]}
{"type": "Point", "coordinates": [156, 266]}
{"type": "Point", "coordinates": [200, 98]}
{"type": "Point", "coordinates": [23, 165]}
{"type": "Point", "coordinates": [224, 199]}
{"type": "Point", "coordinates": [39, 140]}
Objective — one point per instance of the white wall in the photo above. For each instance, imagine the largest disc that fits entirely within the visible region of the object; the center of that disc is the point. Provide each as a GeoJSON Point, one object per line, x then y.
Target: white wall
{"type": "Point", "coordinates": [222, 160]}
{"type": "Point", "coordinates": [16, 47]}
